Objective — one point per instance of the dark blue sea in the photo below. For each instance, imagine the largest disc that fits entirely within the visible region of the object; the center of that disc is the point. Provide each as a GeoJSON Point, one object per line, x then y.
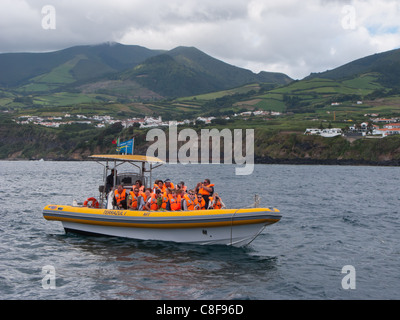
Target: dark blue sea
{"type": "Point", "coordinates": [333, 217]}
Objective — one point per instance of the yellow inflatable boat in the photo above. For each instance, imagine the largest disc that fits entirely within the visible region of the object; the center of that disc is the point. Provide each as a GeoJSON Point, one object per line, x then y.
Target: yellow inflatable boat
{"type": "Point", "coordinates": [237, 227]}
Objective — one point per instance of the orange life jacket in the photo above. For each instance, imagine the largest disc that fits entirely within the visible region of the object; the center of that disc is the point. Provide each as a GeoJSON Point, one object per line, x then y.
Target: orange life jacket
{"type": "Point", "coordinates": [165, 187]}
{"type": "Point", "coordinates": [202, 204]}
{"type": "Point", "coordinates": [164, 201]}
{"type": "Point", "coordinates": [153, 204]}
{"type": "Point", "coordinates": [190, 203]}
{"type": "Point", "coordinates": [120, 196]}
{"type": "Point", "coordinates": [135, 199]}
{"type": "Point", "coordinates": [175, 204]}
{"type": "Point", "coordinates": [204, 192]}
{"type": "Point", "coordinates": [144, 195]}
{"type": "Point", "coordinates": [217, 204]}
{"type": "Point", "coordinates": [155, 188]}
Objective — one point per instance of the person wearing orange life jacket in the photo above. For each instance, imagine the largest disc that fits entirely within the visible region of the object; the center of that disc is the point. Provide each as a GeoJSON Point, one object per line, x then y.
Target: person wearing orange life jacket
{"type": "Point", "coordinates": [168, 185]}
{"type": "Point", "coordinates": [158, 196]}
{"type": "Point", "coordinates": [158, 185]}
{"type": "Point", "coordinates": [135, 201]}
{"type": "Point", "coordinates": [181, 186]}
{"type": "Point", "coordinates": [120, 198]}
{"type": "Point", "coordinates": [216, 202]}
{"type": "Point", "coordinates": [199, 203]}
{"type": "Point", "coordinates": [188, 201]}
{"type": "Point", "coordinates": [174, 202]}
{"type": "Point", "coordinates": [146, 194]}
{"type": "Point", "coordinates": [206, 189]}
{"type": "Point", "coordinates": [165, 199]}
{"type": "Point", "coordinates": [139, 185]}
{"type": "Point", "coordinates": [151, 201]}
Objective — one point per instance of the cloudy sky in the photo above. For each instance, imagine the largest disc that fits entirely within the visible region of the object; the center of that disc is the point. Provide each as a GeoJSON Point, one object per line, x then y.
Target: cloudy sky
{"type": "Point", "coordinates": [291, 36]}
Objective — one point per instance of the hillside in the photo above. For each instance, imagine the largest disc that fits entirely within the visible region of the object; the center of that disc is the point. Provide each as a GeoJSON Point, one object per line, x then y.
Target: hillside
{"type": "Point", "coordinates": [385, 65]}
{"type": "Point", "coordinates": [66, 66]}
{"type": "Point", "coordinates": [186, 71]}
{"type": "Point", "coordinates": [340, 90]}
{"type": "Point", "coordinates": [101, 71]}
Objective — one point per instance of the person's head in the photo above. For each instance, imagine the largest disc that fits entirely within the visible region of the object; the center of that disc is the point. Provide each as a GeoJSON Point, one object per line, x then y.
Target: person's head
{"type": "Point", "coordinates": [191, 194]}
{"type": "Point", "coordinates": [167, 183]}
{"type": "Point", "coordinates": [158, 193]}
{"type": "Point", "coordinates": [174, 193]}
{"type": "Point", "coordinates": [199, 197]}
{"type": "Point", "coordinates": [120, 188]}
{"type": "Point", "coordinates": [180, 185]}
{"type": "Point", "coordinates": [148, 192]}
{"type": "Point", "coordinates": [136, 190]}
{"type": "Point", "coordinates": [160, 183]}
{"type": "Point", "coordinates": [206, 182]}
{"type": "Point", "coordinates": [138, 183]}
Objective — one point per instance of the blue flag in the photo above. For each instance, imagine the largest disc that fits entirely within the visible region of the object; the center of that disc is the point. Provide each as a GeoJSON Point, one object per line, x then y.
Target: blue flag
{"type": "Point", "coordinates": [126, 147]}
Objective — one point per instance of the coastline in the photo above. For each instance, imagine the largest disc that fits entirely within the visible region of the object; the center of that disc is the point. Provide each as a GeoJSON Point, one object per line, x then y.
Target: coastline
{"type": "Point", "coordinates": [267, 161]}
{"type": "Point", "coordinates": [330, 162]}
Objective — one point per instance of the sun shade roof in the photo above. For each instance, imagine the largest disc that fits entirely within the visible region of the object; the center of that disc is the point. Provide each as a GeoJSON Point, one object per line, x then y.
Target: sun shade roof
{"type": "Point", "coordinates": [128, 157]}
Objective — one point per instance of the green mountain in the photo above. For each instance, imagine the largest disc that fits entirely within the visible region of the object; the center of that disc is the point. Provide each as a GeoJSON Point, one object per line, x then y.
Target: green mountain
{"type": "Point", "coordinates": [225, 75]}
{"type": "Point", "coordinates": [186, 71]}
{"type": "Point", "coordinates": [53, 69]}
{"type": "Point", "coordinates": [373, 80]}
{"type": "Point", "coordinates": [135, 80]}
{"type": "Point", "coordinates": [385, 65]}
{"type": "Point", "coordinates": [140, 72]}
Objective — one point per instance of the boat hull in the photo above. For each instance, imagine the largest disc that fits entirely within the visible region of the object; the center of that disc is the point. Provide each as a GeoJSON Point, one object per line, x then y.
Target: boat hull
{"type": "Point", "coordinates": [237, 227]}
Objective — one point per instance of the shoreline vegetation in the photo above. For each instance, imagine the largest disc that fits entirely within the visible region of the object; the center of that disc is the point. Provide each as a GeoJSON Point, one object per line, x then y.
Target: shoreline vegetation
{"type": "Point", "coordinates": [30, 142]}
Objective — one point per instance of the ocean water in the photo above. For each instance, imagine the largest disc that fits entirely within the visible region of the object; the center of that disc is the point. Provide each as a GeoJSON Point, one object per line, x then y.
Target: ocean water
{"type": "Point", "coordinates": [333, 217]}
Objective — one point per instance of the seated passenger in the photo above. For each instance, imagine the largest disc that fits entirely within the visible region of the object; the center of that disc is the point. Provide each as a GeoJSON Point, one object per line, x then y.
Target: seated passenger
{"type": "Point", "coordinates": [120, 197]}
{"type": "Point", "coordinates": [159, 197]}
{"type": "Point", "coordinates": [135, 201]}
{"type": "Point", "coordinates": [188, 202]}
{"type": "Point", "coordinates": [216, 202]}
{"type": "Point", "coordinates": [165, 199]}
{"type": "Point", "coordinates": [151, 200]}
{"type": "Point", "coordinates": [200, 203]}
{"type": "Point", "coordinates": [181, 186]}
{"type": "Point", "coordinates": [146, 194]}
{"type": "Point", "coordinates": [174, 202]}
{"type": "Point", "coordinates": [158, 184]}
{"type": "Point", "coordinates": [206, 189]}
{"type": "Point", "coordinates": [168, 185]}
{"type": "Point", "coordinates": [139, 185]}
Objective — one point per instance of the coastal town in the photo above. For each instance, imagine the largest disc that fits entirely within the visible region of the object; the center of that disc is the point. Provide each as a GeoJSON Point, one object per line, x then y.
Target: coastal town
{"type": "Point", "coordinates": [373, 128]}
{"type": "Point", "coordinates": [378, 127]}
{"type": "Point", "coordinates": [103, 121]}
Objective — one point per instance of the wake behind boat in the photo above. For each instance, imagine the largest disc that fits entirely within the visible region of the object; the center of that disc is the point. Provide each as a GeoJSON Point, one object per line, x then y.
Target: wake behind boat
{"type": "Point", "coordinates": [237, 227]}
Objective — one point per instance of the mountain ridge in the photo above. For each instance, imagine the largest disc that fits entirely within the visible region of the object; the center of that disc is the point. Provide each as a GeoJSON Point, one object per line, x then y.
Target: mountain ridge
{"type": "Point", "coordinates": [387, 64]}
{"type": "Point", "coordinates": [35, 72]}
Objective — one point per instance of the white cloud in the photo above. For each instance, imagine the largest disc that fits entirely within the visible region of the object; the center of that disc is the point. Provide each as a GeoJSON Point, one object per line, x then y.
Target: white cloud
{"type": "Point", "coordinates": [291, 36]}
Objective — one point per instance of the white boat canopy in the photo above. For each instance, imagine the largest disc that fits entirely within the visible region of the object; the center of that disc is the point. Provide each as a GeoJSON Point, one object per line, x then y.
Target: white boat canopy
{"type": "Point", "coordinates": [139, 161]}
{"type": "Point", "coordinates": [127, 158]}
